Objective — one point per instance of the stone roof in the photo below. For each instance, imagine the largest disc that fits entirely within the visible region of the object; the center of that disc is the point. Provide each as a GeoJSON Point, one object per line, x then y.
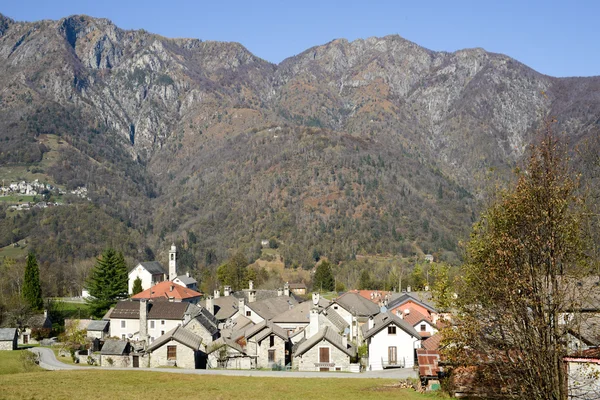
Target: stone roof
{"type": "Point", "coordinates": [422, 298]}
{"type": "Point", "coordinates": [38, 321]}
{"type": "Point", "coordinates": [168, 290]}
{"type": "Point", "coordinates": [299, 313]}
{"type": "Point", "coordinates": [328, 335]}
{"type": "Point", "coordinates": [8, 334]}
{"type": "Point", "coordinates": [264, 329]}
{"type": "Point", "coordinates": [115, 347]}
{"type": "Point", "coordinates": [297, 285]}
{"type": "Point", "coordinates": [98, 326]}
{"type": "Point", "coordinates": [223, 341]}
{"type": "Point", "coordinates": [225, 307]}
{"type": "Point", "coordinates": [357, 305]}
{"type": "Point", "coordinates": [336, 319]}
{"type": "Point", "coordinates": [154, 267]}
{"type": "Point", "coordinates": [188, 280]}
{"type": "Point", "coordinates": [269, 308]}
{"type": "Point", "coordinates": [178, 334]}
{"type": "Point", "coordinates": [128, 309]}
{"type": "Point", "coordinates": [204, 317]}
{"type": "Point", "coordinates": [384, 319]}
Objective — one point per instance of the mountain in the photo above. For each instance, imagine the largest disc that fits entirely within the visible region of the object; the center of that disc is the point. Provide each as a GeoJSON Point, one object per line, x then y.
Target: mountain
{"type": "Point", "coordinates": [375, 146]}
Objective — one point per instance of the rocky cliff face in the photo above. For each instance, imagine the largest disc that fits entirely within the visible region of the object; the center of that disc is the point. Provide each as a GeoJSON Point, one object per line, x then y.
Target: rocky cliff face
{"type": "Point", "coordinates": [367, 122]}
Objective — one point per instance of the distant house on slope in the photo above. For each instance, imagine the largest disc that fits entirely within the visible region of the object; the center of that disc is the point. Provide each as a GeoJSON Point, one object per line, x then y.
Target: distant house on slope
{"type": "Point", "coordinates": [8, 338]}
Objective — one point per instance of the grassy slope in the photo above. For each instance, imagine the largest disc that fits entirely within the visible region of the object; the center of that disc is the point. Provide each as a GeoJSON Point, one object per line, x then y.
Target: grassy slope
{"type": "Point", "coordinates": [10, 363]}
{"type": "Point", "coordinates": [149, 385]}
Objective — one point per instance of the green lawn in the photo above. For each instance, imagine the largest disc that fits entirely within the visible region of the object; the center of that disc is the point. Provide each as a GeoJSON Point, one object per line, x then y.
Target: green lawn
{"type": "Point", "coordinates": [14, 252]}
{"type": "Point", "coordinates": [17, 383]}
{"type": "Point", "coordinates": [17, 199]}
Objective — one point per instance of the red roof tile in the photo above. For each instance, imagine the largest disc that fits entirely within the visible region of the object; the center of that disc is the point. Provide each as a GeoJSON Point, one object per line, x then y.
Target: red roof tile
{"type": "Point", "coordinates": [168, 290]}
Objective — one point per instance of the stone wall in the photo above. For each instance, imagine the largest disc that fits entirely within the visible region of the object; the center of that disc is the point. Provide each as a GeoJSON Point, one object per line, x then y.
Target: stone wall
{"type": "Point", "coordinates": [263, 352]}
{"type": "Point", "coordinates": [309, 361]}
{"type": "Point", "coordinates": [8, 345]}
{"type": "Point", "coordinates": [195, 326]}
{"type": "Point", "coordinates": [117, 361]}
{"type": "Point", "coordinates": [185, 356]}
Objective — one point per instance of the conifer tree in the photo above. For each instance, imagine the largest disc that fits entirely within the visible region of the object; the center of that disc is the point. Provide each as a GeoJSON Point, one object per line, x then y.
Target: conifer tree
{"type": "Point", "coordinates": [323, 279]}
{"type": "Point", "coordinates": [137, 286]}
{"type": "Point", "coordinates": [32, 289]}
{"type": "Point", "coordinates": [107, 282]}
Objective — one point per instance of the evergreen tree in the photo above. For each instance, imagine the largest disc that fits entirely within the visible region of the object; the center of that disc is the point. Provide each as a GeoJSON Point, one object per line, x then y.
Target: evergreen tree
{"type": "Point", "coordinates": [32, 289]}
{"type": "Point", "coordinates": [137, 286]}
{"type": "Point", "coordinates": [364, 281]}
{"type": "Point", "coordinates": [107, 283]}
{"type": "Point", "coordinates": [323, 280]}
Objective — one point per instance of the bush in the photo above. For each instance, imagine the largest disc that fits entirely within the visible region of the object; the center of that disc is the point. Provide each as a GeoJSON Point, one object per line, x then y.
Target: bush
{"type": "Point", "coordinates": [29, 360]}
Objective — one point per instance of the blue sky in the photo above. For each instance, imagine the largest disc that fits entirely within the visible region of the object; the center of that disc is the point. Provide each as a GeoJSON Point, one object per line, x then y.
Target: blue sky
{"type": "Point", "coordinates": [559, 38]}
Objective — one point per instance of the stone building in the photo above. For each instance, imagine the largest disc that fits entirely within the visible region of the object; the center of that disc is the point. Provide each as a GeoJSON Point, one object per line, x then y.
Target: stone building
{"type": "Point", "coordinates": [8, 338]}
{"type": "Point", "coordinates": [177, 348]}
{"type": "Point", "coordinates": [324, 351]}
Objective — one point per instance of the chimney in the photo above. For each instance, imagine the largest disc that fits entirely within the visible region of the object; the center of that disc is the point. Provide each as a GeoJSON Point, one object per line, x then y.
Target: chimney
{"type": "Point", "coordinates": [408, 289]}
{"type": "Point", "coordinates": [279, 292]}
{"type": "Point", "coordinates": [45, 313]}
{"type": "Point", "coordinates": [407, 311]}
{"type": "Point", "coordinates": [171, 288]}
{"type": "Point", "coordinates": [173, 262]}
{"type": "Point", "coordinates": [315, 299]}
{"type": "Point", "coordinates": [241, 303]}
{"type": "Point", "coordinates": [252, 296]}
{"type": "Point", "coordinates": [286, 289]}
{"type": "Point", "coordinates": [399, 314]}
{"type": "Point", "coordinates": [210, 305]}
{"type": "Point", "coordinates": [144, 321]}
{"type": "Point", "coordinates": [187, 274]}
{"type": "Point", "coordinates": [217, 293]}
{"type": "Point", "coordinates": [345, 341]}
{"type": "Point", "coordinates": [371, 323]}
{"type": "Point", "coordinates": [313, 327]}
{"type": "Point", "coordinates": [426, 288]}
{"type": "Point", "coordinates": [251, 285]}
{"type": "Point", "coordinates": [226, 291]}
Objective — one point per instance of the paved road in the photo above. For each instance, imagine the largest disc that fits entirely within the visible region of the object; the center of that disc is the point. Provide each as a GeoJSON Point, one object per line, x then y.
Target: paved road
{"type": "Point", "coordinates": [49, 361]}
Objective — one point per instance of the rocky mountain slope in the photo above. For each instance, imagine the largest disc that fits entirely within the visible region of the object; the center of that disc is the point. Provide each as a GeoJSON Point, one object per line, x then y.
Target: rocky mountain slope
{"type": "Point", "coordinates": [371, 146]}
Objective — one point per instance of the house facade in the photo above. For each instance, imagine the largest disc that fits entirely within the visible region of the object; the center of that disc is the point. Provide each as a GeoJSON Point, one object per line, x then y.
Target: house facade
{"type": "Point", "coordinates": [8, 338]}
{"type": "Point", "coordinates": [324, 351]}
{"type": "Point", "coordinates": [177, 348]}
{"type": "Point", "coordinates": [149, 272]}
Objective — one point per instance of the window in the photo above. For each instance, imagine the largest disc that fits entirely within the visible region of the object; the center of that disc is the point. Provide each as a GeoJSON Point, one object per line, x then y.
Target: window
{"type": "Point", "coordinates": [151, 339]}
{"type": "Point", "coordinates": [423, 327]}
{"type": "Point", "coordinates": [323, 354]}
{"type": "Point", "coordinates": [151, 324]}
{"type": "Point", "coordinates": [162, 333]}
{"type": "Point", "coordinates": [172, 256]}
{"type": "Point", "coordinates": [123, 324]}
{"type": "Point", "coordinates": [271, 355]}
{"type": "Point", "coordinates": [272, 341]}
{"type": "Point", "coordinates": [335, 307]}
{"type": "Point", "coordinates": [248, 313]}
{"type": "Point", "coordinates": [123, 337]}
{"type": "Point", "coordinates": [171, 352]}
{"type": "Point", "coordinates": [391, 330]}
{"type": "Point", "coordinates": [162, 322]}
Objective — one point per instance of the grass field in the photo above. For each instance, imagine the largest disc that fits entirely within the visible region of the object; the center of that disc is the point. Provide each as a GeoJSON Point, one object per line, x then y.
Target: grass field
{"type": "Point", "coordinates": [14, 252]}
{"type": "Point", "coordinates": [17, 199]}
{"type": "Point", "coordinates": [15, 383]}
{"type": "Point", "coordinates": [11, 363]}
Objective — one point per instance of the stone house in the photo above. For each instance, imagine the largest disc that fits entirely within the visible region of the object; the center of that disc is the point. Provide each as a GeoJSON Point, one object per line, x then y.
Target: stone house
{"type": "Point", "coordinates": [269, 344]}
{"type": "Point", "coordinates": [228, 354]}
{"type": "Point", "coordinates": [392, 342]}
{"type": "Point", "coordinates": [116, 353]}
{"type": "Point", "coordinates": [98, 329]}
{"type": "Point", "coordinates": [8, 338]}
{"type": "Point", "coordinates": [356, 311]}
{"type": "Point", "coordinates": [33, 324]}
{"type": "Point", "coordinates": [325, 351]}
{"type": "Point", "coordinates": [177, 348]}
{"type": "Point", "coordinates": [203, 324]}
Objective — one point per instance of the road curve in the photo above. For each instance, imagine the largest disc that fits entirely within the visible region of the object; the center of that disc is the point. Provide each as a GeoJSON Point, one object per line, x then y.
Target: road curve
{"type": "Point", "coordinates": [48, 361]}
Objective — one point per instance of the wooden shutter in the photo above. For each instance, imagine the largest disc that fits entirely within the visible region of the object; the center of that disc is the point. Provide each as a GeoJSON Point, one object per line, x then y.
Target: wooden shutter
{"type": "Point", "coordinates": [324, 354]}
{"type": "Point", "coordinates": [171, 352]}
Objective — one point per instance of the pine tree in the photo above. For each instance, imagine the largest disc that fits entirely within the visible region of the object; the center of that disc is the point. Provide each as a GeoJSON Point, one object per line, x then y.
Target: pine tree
{"type": "Point", "coordinates": [137, 286]}
{"type": "Point", "coordinates": [323, 279]}
{"type": "Point", "coordinates": [32, 289]}
{"type": "Point", "coordinates": [107, 283]}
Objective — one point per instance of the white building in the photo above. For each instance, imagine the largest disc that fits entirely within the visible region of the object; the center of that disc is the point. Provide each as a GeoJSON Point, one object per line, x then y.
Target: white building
{"type": "Point", "coordinates": [392, 342]}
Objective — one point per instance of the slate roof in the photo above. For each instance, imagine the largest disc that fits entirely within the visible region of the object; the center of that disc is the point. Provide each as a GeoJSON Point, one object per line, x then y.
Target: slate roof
{"type": "Point", "coordinates": [330, 336]}
{"type": "Point", "coordinates": [115, 348]}
{"type": "Point", "coordinates": [336, 319]}
{"type": "Point", "coordinates": [98, 326]}
{"type": "Point", "coordinates": [38, 321]}
{"type": "Point", "coordinates": [422, 298]}
{"type": "Point", "coordinates": [299, 313]}
{"type": "Point", "coordinates": [588, 330]}
{"type": "Point", "coordinates": [204, 317]}
{"type": "Point", "coordinates": [261, 294]}
{"type": "Point", "coordinates": [271, 307]}
{"type": "Point", "coordinates": [357, 305]}
{"type": "Point", "coordinates": [188, 280]}
{"type": "Point", "coordinates": [154, 267]}
{"type": "Point", "coordinates": [179, 334]}
{"type": "Point", "coordinates": [168, 290]}
{"type": "Point", "coordinates": [264, 329]}
{"type": "Point", "coordinates": [157, 310]}
{"type": "Point", "coordinates": [223, 341]}
{"type": "Point", "coordinates": [384, 319]}
{"type": "Point", "coordinates": [297, 286]}
{"type": "Point", "coordinates": [8, 334]}
{"type": "Point", "coordinates": [225, 307]}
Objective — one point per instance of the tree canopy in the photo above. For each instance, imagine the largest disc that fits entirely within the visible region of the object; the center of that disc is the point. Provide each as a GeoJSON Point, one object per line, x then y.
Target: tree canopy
{"type": "Point", "coordinates": [323, 279]}
{"type": "Point", "coordinates": [107, 282]}
{"type": "Point", "coordinates": [525, 259]}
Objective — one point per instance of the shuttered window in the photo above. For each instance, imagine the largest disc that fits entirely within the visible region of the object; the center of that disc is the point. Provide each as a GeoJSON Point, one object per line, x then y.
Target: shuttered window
{"type": "Point", "coordinates": [324, 354]}
{"type": "Point", "coordinates": [171, 352]}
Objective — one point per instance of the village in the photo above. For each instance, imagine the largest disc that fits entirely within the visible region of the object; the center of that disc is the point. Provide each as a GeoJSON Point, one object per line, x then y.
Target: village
{"type": "Point", "coordinates": [38, 192]}
{"type": "Point", "coordinates": [171, 324]}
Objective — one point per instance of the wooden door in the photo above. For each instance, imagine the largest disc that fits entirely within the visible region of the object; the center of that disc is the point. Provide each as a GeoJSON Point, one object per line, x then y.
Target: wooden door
{"type": "Point", "coordinates": [392, 355]}
{"type": "Point", "coordinates": [136, 361]}
{"type": "Point", "coordinates": [25, 339]}
{"type": "Point", "coordinates": [324, 354]}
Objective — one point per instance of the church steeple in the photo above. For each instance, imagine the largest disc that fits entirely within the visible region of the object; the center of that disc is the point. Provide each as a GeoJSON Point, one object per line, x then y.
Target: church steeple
{"type": "Point", "coordinates": [172, 262]}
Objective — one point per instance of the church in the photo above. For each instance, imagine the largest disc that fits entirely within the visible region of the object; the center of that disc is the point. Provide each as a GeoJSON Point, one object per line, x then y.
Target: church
{"type": "Point", "coordinates": [152, 272]}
